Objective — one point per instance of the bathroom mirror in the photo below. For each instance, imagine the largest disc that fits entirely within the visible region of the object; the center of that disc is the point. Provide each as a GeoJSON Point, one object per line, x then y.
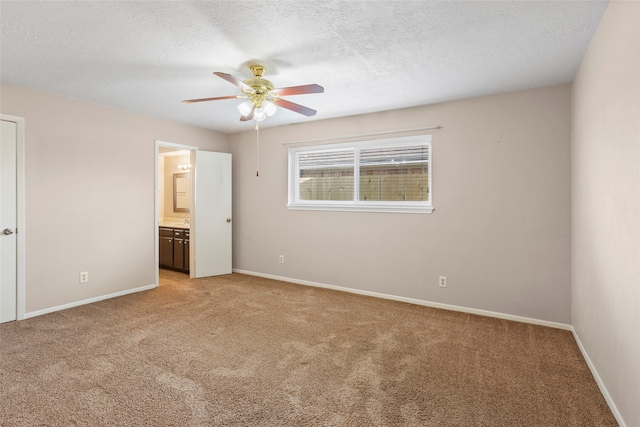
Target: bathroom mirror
{"type": "Point", "coordinates": [181, 192]}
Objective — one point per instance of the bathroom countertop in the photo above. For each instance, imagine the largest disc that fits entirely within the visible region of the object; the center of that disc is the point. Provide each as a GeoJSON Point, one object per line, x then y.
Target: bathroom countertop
{"type": "Point", "coordinates": [174, 224]}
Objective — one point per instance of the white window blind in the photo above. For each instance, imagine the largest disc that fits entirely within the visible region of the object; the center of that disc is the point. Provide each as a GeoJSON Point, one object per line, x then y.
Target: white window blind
{"type": "Point", "coordinates": [390, 175]}
{"type": "Point", "coordinates": [326, 175]}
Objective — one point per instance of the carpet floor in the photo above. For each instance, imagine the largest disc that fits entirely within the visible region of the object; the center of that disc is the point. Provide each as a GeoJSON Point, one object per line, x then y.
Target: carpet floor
{"type": "Point", "coordinates": [239, 350]}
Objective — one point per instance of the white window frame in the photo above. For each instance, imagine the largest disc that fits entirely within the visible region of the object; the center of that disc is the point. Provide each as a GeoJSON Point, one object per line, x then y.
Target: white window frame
{"type": "Point", "coordinates": [358, 205]}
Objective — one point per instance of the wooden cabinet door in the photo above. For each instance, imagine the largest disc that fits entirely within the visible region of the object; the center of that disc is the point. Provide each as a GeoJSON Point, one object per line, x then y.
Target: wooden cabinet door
{"type": "Point", "coordinates": [165, 246]}
{"type": "Point", "coordinates": [178, 253]}
{"type": "Point", "coordinates": [186, 254]}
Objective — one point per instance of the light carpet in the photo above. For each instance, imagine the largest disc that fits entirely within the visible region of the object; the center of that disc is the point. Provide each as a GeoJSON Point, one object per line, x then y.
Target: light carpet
{"type": "Point", "coordinates": [239, 350]}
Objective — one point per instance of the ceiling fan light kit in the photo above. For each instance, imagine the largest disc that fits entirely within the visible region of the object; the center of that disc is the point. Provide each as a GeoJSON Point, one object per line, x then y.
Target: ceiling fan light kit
{"type": "Point", "coordinates": [263, 99]}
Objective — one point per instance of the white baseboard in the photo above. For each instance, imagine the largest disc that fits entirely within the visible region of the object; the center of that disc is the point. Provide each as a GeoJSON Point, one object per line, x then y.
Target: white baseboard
{"type": "Point", "coordinates": [413, 301]}
{"type": "Point", "coordinates": [603, 389]}
{"type": "Point", "coordinates": [87, 301]}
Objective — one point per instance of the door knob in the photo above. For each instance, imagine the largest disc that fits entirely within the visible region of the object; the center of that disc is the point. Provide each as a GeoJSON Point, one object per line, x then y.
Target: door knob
{"type": "Point", "coordinates": [8, 231]}
{"type": "Point", "coordinates": [228, 219]}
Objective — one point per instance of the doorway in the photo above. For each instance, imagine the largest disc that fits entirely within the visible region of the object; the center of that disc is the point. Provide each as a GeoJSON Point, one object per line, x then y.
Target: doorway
{"type": "Point", "coordinates": [196, 204]}
{"type": "Point", "coordinates": [174, 209]}
{"type": "Point", "coordinates": [169, 157]}
{"type": "Point", "coordinates": [11, 218]}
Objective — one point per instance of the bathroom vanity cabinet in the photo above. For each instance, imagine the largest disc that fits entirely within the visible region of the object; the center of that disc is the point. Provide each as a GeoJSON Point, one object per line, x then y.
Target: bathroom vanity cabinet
{"type": "Point", "coordinates": [173, 245]}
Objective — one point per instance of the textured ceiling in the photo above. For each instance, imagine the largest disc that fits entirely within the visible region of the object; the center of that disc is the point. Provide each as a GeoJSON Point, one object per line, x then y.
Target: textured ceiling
{"type": "Point", "coordinates": [147, 56]}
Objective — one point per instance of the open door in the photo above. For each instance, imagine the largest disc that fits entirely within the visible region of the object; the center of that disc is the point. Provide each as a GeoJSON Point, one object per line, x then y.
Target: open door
{"type": "Point", "coordinates": [8, 221]}
{"type": "Point", "coordinates": [211, 214]}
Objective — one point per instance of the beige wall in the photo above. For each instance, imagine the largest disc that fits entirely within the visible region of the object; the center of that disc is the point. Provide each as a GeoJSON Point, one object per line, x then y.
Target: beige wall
{"type": "Point", "coordinates": [501, 227]}
{"type": "Point", "coordinates": [606, 205]}
{"type": "Point", "coordinates": [89, 194]}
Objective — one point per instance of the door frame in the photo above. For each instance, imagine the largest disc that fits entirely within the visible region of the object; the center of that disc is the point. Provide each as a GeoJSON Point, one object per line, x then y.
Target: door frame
{"type": "Point", "coordinates": [20, 214]}
{"type": "Point", "coordinates": [158, 144]}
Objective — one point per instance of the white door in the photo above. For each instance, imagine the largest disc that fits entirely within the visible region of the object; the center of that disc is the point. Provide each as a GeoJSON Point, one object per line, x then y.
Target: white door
{"type": "Point", "coordinates": [8, 221]}
{"type": "Point", "coordinates": [211, 214]}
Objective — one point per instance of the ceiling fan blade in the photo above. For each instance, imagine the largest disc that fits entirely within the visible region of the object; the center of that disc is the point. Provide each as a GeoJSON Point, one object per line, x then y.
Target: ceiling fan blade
{"type": "Point", "coordinates": [248, 116]}
{"type": "Point", "coordinates": [189, 101]}
{"type": "Point", "coordinates": [228, 77]}
{"type": "Point", "coordinates": [294, 107]}
{"type": "Point", "coordinates": [297, 90]}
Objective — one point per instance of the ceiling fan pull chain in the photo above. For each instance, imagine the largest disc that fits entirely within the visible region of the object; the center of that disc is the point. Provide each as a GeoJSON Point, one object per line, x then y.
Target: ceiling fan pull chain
{"type": "Point", "coordinates": [257, 149]}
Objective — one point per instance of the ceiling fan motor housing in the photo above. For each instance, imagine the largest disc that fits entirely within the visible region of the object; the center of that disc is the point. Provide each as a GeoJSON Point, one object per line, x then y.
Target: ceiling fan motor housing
{"type": "Point", "coordinates": [261, 86]}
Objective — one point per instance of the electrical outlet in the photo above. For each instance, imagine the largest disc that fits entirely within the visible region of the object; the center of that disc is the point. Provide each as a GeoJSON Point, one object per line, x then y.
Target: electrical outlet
{"type": "Point", "coordinates": [443, 281]}
{"type": "Point", "coordinates": [84, 276]}
{"type": "Point", "coordinates": [281, 259]}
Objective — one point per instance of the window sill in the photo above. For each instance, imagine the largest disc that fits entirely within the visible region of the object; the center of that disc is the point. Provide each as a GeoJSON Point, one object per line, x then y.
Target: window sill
{"type": "Point", "coordinates": [352, 207]}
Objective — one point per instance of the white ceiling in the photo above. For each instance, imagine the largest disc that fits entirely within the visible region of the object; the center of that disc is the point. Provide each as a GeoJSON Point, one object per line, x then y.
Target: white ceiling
{"type": "Point", "coordinates": [147, 56]}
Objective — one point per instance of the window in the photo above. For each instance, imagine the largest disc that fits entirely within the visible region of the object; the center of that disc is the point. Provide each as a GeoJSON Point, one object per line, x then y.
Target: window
{"type": "Point", "coordinates": [388, 175]}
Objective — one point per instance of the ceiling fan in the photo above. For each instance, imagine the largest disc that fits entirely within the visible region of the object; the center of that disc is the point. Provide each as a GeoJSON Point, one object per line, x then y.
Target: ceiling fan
{"type": "Point", "coordinates": [263, 99]}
